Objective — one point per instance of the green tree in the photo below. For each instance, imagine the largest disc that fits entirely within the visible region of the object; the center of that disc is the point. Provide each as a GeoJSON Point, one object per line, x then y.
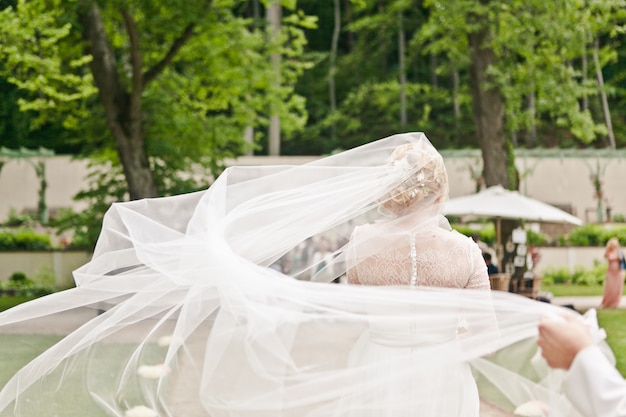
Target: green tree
{"type": "Point", "coordinates": [381, 83]}
{"type": "Point", "coordinates": [521, 54]}
{"type": "Point", "coordinates": [177, 82]}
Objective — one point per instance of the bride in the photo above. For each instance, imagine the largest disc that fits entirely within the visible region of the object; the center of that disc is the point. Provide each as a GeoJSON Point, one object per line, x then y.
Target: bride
{"type": "Point", "coordinates": [179, 313]}
{"type": "Point", "coordinates": [412, 249]}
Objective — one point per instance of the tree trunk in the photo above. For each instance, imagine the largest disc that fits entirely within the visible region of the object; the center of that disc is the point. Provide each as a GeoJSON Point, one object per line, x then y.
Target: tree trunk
{"type": "Point", "coordinates": [402, 70]}
{"type": "Point", "coordinates": [432, 64]}
{"type": "Point", "coordinates": [488, 112]}
{"type": "Point", "coordinates": [122, 109]}
{"type": "Point", "coordinates": [605, 102]}
{"type": "Point", "coordinates": [585, 104]}
{"type": "Point", "coordinates": [349, 34]}
{"type": "Point", "coordinates": [273, 13]}
{"type": "Point", "coordinates": [332, 67]}
{"type": "Point", "coordinates": [532, 111]}
{"type": "Point", "coordinates": [456, 103]}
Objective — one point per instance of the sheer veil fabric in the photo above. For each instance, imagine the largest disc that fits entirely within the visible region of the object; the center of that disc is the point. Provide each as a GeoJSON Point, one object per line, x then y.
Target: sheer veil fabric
{"type": "Point", "coordinates": [181, 312]}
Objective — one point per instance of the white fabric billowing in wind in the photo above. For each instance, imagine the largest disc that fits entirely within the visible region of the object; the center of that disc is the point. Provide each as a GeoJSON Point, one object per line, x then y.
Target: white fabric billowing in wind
{"type": "Point", "coordinates": [180, 314]}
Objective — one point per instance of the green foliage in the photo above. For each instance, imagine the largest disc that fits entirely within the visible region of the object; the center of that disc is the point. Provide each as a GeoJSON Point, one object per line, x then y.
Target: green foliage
{"type": "Point", "coordinates": [106, 187]}
{"type": "Point", "coordinates": [9, 302]}
{"type": "Point", "coordinates": [18, 278]}
{"type": "Point", "coordinates": [19, 285]}
{"type": "Point", "coordinates": [537, 70]}
{"type": "Point", "coordinates": [612, 321]}
{"type": "Point", "coordinates": [580, 276]}
{"type": "Point", "coordinates": [536, 238]}
{"type": "Point", "coordinates": [552, 275]}
{"type": "Point", "coordinates": [200, 90]}
{"type": "Point", "coordinates": [372, 111]}
{"type": "Point", "coordinates": [35, 51]}
{"type": "Point", "coordinates": [619, 218]}
{"type": "Point", "coordinates": [486, 232]}
{"type": "Point", "coordinates": [45, 277]}
{"type": "Point", "coordinates": [23, 239]}
{"type": "Point", "coordinates": [18, 219]}
{"type": "Point", "coordinates": [594, 235]}
{"type": "Point", "coordinates": [588, 235]}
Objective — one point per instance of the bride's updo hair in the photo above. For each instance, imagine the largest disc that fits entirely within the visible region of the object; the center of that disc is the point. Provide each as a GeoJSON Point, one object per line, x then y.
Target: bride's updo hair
{"type": "Point", "coordinates": [426, 178]}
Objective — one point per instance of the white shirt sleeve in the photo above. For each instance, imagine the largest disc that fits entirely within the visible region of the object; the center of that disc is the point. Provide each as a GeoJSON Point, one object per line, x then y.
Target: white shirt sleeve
{"type": "Point", "coordinates": [594, 386]}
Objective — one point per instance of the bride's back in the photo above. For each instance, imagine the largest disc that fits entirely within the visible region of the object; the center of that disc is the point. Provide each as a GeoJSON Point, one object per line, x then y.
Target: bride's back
{"type": "Point", "coordinates": [433, 257]}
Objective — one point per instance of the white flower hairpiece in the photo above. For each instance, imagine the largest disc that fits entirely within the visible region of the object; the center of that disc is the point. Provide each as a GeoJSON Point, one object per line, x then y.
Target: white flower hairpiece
{"type": "Point", "coordinates": [402, 166]}
{"type": "Point", "coordinates": [403, 169]}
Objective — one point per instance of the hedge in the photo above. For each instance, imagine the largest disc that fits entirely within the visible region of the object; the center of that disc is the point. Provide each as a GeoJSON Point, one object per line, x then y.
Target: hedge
{"type": "Point", "coordinates": [588, 235]}
{"type": "Point", "coordinates": [23, 239]}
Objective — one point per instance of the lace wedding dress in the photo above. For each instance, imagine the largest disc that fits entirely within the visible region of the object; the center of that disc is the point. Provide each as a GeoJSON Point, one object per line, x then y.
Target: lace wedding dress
{"type": "Point", "coordinates": [178, 314]}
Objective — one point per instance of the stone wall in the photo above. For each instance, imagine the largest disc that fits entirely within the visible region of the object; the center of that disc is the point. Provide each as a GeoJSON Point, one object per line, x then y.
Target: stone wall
{"type": "Point", "coordinates": [60, 264]}
{"type": "Point", "coordinates": [561, 180]}
{"type": "Point", "coordinates": [570, 258]}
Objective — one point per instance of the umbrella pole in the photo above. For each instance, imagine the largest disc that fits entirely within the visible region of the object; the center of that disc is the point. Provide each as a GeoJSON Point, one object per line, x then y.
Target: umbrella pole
{"type": "Point", "coordinates": [499, 251]}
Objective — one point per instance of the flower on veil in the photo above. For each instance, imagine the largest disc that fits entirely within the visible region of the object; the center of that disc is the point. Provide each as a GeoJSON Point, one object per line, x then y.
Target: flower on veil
{"type": "Point", "coordinates": [153, 371]}
{"type": "Point", "coordinates": [140, 411]}
{"type": "Point", "coordinates": [165, 341]}
{"type": "Point", "coordinates": [533, 408]}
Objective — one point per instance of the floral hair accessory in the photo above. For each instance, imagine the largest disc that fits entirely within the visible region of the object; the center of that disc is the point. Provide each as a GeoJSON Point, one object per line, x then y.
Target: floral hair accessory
{"type": "Point", "coordinates": [419, 172]}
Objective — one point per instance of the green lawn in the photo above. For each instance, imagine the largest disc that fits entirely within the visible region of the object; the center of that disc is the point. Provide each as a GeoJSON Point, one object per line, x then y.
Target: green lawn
{"type": "Point", "coordinates": [614, 322]}
{"type": "Point", "coordinates": [8, 302]}
{"type": "Point", "coordinates": [113, 356]}
{"type": "Point", "coordinates": [106, 362]}
{"type": "Point", "coordinates": [563, 290]}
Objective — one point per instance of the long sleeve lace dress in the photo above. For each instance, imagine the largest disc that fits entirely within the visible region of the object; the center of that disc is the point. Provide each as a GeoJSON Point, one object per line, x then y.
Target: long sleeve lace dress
{"type": "Point", "coordinates": [433, 257]}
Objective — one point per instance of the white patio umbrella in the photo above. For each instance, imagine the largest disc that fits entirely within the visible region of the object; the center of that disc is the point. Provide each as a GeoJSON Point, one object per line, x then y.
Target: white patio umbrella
{"type": "Point", "coordinates": [500, 203]}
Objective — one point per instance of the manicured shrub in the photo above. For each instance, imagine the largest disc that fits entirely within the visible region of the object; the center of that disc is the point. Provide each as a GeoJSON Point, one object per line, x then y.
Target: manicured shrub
{"type": "Point", "coordinates": [580, 275]}
{"type": "Point", "coordinates": [594, 235]}
{"type": "Point", "coordinates": [18, 278]}
{"type": "Point", "coordinates": [536, 238]}
{"type": "Point", "coordinates": [19, 285]}
{"type": "Point", "coordinates": [23, 239]}
{"type": "Point", "coordinates": [553, 275]}
{"type": "Point", "coordinates": [18, 219]}
{"type": "Point", "coordinates": [587, 235]}
{"type": "Point", "coordinates": [619, 218]}
{"type": "Point", "coordinates": [486, 232]}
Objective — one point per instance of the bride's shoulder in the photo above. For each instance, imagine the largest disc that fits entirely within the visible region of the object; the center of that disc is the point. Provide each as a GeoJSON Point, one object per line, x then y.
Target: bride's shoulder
{"type": "Point", "coordinates": [456, 236]}
{"type": "Point", "coordinates": [452, 233]}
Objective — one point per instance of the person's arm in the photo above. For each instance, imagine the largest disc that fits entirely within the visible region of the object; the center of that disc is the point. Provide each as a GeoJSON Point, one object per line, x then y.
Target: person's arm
{"type": "Point", "coordinates": [592, 384]}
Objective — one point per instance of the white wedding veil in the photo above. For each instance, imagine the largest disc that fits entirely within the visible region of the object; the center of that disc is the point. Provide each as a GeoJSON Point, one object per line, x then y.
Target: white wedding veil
{"type": "Point", "coordinates": [213, 304]}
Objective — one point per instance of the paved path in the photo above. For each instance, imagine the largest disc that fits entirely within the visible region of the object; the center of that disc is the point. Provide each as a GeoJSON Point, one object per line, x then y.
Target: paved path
{"type": "Point", "coordinates": [583, 303]}
{"type": "Point", "coordinates": [182, 399]}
